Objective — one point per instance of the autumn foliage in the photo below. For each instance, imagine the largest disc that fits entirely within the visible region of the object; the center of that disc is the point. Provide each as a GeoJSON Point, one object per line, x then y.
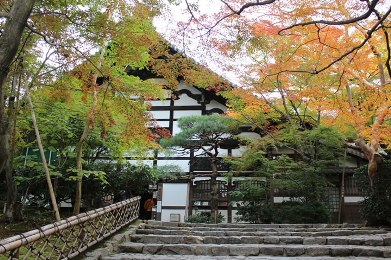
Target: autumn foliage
{"type": "Point", "coordinates": [317, 62]}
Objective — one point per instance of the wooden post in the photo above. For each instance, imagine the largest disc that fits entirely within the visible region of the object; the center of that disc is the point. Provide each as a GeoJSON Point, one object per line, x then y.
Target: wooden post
{"type": "Point", "coordinates": [342, 192]}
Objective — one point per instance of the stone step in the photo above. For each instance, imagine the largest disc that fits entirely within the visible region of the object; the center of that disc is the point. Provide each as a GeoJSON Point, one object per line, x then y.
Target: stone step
{"type": "Point", "coordinates": [228, 232]}
{"type": "Point", "coordinates": [248, 225]}
{"type": "Point", "coordinates": [261, 227]}
{"type": "Point", "coordinates": [256, 250]}
{"type": "Point", "coordinates": [376, 240]}
{"type": "Point", "coordinates": [255, 227]}
{"type": "Point", "coordinates": [129, 256]}
{"type": "Point", "coordinates": [258, 229]}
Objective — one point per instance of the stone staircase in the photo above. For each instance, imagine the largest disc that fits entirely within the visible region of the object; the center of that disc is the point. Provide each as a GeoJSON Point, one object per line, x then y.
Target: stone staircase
{"type": "Point", "coordinates": [158, 240]}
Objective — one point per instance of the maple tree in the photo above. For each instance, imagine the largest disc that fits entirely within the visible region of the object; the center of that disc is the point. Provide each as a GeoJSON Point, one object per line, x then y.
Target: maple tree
{"type": "Point", "coordinates": [94, 47]}
{"type": "Point", "coordinates": [325, 62]}
{"type": "Point", "coordinates": [72, 31]}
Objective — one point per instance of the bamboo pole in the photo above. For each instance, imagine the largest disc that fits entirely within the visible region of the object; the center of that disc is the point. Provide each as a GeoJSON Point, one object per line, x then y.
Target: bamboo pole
{"type": "Point", "coordinates": [42, 153]}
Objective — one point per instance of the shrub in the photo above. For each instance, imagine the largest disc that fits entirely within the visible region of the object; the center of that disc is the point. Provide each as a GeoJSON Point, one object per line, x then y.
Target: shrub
{"type": "Point", "coordinates": [253, 212]}
{"type": "Point", "coordinates": [299, 213]}
{"type": "Point", "coordinates": [204, 217]}
{"type": "Point", "coordinates": [376, 207]}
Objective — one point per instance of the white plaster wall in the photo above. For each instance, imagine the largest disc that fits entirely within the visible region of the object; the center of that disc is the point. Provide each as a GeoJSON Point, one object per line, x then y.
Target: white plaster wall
{"type": "Point", "coordinates": [182, 113]}
{"type": "Point", "coordinates": [173, 153]}
{"type": "Point", "coordinates": [352, 199]}
{"type": "Point", "coordinates": [222, 152]}
{"type": "Point", "coordinates": [160, 114]}
{"type": "Point", "coordinates": [215, 104]}
{"type": "Point", "coordinates": [175, 194]}
{"type": "Point", "coordinates": [175, 128]}
{"type": "Point", "coordinates": [239, 151]}
{"type": "Point", "coordinates": [208, 178]}
{"type": "Point", "coordinates": [166, 214]}
{"type": "Point", "coordinates": [183, 85]}
{"type": "Point", "coordinates": [225, 214]}
{"type": "Point", "coordinates": [198, 153]}
{"type": "Point", "coordinates": [144, 162]}
{"type": "Point", "coordinates": [183, 164]}
{"type": "Point", "coordinates": [159, 102]}
{"type": "Point", "coordinates": [162, 123]}
{"type": "Point", "coordinates": [185, 100]}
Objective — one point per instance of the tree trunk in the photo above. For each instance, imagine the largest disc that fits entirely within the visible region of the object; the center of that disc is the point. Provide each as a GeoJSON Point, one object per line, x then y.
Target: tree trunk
{"type": "Point", "coordinates": [9, 43]}
{"type": "Point", "coordinates": [89, 121]}
{"type": "Point", "coordinates": [373, 156]}
{"type": "Point", "coordinates": [214, 194]}
{"type": "Point", "coordinates": [371, 149]}
{"type": "Point", "coordinates": [13, 207]}
{"type": "Point", "coordinates": [79, 155]}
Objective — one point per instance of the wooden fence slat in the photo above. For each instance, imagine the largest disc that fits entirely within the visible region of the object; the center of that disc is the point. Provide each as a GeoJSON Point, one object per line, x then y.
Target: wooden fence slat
{"type": "Point", "coordinates": [38, 240]}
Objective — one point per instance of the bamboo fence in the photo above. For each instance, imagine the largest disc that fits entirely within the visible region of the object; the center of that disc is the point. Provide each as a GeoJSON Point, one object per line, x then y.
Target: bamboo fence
{"type": "Point", "coordinates": [70, 237]}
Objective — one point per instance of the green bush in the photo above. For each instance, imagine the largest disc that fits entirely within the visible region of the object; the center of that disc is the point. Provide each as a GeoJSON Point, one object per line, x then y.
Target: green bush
{"type": "Point", "coordinates": [204, 217]}
{"type": "Point", "coordinates": [251, 202]}
{"type": "Point", "coordinates": [254, 212]}
{"type": "Point", "coordinates": [299, 213]}
{"type": "Point", "coordinates": [376, 207]}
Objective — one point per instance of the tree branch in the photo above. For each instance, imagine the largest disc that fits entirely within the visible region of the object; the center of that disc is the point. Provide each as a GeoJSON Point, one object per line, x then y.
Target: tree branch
{"type": "Point", "coordinates": [371, 9]}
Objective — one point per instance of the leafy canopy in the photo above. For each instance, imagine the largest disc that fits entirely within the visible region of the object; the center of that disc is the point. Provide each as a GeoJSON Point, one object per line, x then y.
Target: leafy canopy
{"type": "Point", "coordinates": [199, 131]}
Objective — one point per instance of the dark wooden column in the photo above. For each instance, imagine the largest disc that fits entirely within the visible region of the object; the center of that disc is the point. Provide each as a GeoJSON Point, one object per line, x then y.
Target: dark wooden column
{"type": "Point", "coordinates": [229, 206]}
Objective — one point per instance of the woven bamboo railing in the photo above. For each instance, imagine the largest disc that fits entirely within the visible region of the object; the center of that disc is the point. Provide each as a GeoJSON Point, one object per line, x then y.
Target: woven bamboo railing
{"type": "Point", "coordinates": [70, 237]}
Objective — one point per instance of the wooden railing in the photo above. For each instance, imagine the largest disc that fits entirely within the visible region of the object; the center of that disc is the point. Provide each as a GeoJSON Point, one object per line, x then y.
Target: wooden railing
{"type": "Point", "coordinates": [70, 237]}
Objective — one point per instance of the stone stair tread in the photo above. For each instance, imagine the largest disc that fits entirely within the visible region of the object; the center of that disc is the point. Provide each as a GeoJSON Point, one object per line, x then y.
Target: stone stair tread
{"type": "Point", "coordinates": [377, 240]}
{"type": "Point", "coordinates": [158, 240]}
{"type": "Point", "coordinates": [256, 249]}
{"type": "Point", "coordinates": [127, 256]}
{"type": "Point", "coordinates": [259, 228]}
{"type": "Point", "coordinates": [260, 233]}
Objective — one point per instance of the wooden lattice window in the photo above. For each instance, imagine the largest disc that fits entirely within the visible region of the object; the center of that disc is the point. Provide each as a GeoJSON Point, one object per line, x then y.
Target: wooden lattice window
{"type": "Point", "coordinates": [202, 190]}
{"type": "Point", "coordinates": [351, 188]}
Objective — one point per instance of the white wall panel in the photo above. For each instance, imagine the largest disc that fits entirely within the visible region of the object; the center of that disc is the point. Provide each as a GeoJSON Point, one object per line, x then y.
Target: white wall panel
{"type": "Point", "coordinates": [215, 104]}
{"type": "Point", "coordinates": [225, 215]}
{"type": "Point", "coordinates": [143, 162]}
{"type": "Point", "coordinates": [172, 153]}
{"type": "Point", "coordinates": [160, 114]}
{"type": "Point", "coordinates": [182, 113]}
{"type": "Point", "coordinates": [183, 85]}
{"type": "Point", "coordinates": [159, 102]}
{"type": "Point", "coordinates": [239, 151]}
{"type": "Point", "coordinates": [167, 212]}
{"type": "Point", "coordinates": [175, 127]}
{"type": "Point", "coordinates": [183, 164]}
{"type": "Point", "coordinates": [223, 152]}
{"type": "Point", "coordinates": [162, 123]}
{"type": "Point", "coordinates": [353, 199]}
{"type": "Point", "coordinates": [185, 100]}
{"type": "Point", "coordinates": [174, 194]}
